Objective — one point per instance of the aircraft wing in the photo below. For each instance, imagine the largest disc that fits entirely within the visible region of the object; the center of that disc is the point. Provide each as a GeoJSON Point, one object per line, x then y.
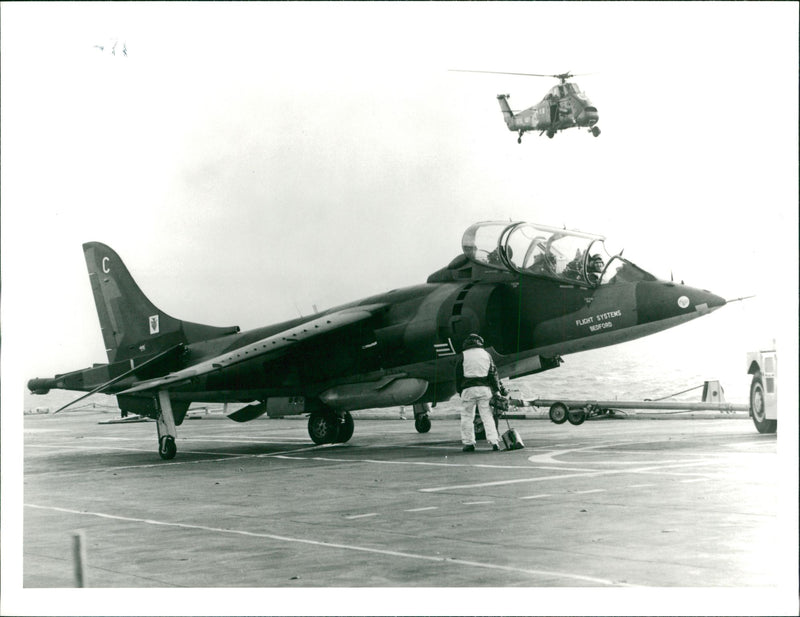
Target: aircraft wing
{"type": "Point", "coordinates": [267, 346]}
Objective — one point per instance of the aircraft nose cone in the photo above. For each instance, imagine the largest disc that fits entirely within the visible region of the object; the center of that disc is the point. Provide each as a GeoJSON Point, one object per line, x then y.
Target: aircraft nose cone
{"type": "Point", "coordinates": [660, 300]}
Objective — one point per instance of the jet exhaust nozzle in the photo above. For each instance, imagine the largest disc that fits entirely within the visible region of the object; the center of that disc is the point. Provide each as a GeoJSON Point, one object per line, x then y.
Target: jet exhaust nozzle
{"type": "Point", "coordinates": [40, 385]}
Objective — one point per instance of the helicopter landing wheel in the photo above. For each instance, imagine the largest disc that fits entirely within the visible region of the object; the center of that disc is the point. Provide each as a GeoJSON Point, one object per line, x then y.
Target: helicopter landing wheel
{"type": "Point", "coordinates": [595, 131]}
{"type": "Point", "coordinates": [519, 139]}
{"type": "Point", "coordinates": [550, 134]}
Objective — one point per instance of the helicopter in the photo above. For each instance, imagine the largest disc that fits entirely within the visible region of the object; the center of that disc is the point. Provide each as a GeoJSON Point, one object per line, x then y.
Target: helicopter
{"type": "Point", "coordinates": [564, 107]}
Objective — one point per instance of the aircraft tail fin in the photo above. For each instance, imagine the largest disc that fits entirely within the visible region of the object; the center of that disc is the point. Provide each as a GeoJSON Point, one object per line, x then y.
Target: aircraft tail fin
{"type": "Point", "coordinates": [508, 115]}
{"type": "Point", "coordinates": [132, 326]}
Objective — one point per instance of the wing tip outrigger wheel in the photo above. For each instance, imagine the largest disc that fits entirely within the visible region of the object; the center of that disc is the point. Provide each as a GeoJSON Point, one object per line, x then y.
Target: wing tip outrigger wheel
{"type": "Point", "coordinates": [165, 426]}
{"type": "Point", "coordinates": [167, 448]}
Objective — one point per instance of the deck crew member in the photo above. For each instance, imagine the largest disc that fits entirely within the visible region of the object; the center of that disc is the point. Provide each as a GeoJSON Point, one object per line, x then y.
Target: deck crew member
{"type": "Point", "coordinates": [476, 381]}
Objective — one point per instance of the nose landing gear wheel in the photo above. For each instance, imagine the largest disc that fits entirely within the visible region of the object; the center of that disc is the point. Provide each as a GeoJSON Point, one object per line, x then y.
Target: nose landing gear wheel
{"type": "Point", "coordinates": [323, 427]}
{"type": "Point", "coordinates": [421, 420]}
{"type": "Point", "coordinates": [167, 448]}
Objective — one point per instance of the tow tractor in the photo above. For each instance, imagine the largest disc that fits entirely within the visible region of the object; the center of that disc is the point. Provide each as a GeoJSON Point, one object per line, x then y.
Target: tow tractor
{"type": "Point", "coordinates": [763, 366]}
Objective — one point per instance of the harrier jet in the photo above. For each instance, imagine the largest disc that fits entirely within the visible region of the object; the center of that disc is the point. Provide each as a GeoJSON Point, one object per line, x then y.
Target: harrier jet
{"type": "Point", "coordinates": [534, 293]}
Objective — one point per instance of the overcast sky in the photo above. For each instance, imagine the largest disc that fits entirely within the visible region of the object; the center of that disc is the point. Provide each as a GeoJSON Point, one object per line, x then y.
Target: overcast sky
{"type": "Point", "coordinates": [249, 161]}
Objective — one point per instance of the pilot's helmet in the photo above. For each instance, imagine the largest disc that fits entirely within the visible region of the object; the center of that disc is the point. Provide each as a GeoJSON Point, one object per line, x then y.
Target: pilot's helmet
{"type": "Point", "coordinates": [596, 263]}
{"type": "Point", "coordinates": [473, 340]}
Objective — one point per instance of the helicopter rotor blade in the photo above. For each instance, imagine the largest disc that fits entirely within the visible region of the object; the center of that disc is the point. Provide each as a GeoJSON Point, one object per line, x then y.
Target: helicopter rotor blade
{"type": "Point", "coordinates": [500, 73]}
{"type": "Point", "coordinates": [562, 76]}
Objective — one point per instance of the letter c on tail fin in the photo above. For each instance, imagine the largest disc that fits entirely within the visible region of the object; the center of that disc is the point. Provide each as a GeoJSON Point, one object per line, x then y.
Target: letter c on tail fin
{"type": "Point", "coordinates": [132, 326]}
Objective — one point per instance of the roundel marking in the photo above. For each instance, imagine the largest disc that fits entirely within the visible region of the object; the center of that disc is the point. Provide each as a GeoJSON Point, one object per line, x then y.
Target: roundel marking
{"type": "Point", "coordinates": [106, 269]}
{"type": "Point", "coordinates": [683, 302]}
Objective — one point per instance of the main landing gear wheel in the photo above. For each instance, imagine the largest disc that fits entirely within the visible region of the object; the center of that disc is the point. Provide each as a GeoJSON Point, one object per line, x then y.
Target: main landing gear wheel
{"type": "Point", "coordinates": [576, 416]}
{"type": "Point", "coordinates": [595, 130]}
{"type": "Point", "coordinates": [167, 448]}
{"type": "Point", "coordinates": [323, 427]}
{"type": "Point", "coordinates": [757, 407]}
{"type": "Point", "coordinates": [346, 426]}
{"type": "Point", "coordinates": [550, 134]}
{"type": "Point", "coordinates": [558, 413]}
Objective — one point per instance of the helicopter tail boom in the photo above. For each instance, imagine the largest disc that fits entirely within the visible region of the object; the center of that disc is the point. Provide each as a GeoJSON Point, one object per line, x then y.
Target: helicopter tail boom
{"type": "Point", "coordinates": [508, 115]}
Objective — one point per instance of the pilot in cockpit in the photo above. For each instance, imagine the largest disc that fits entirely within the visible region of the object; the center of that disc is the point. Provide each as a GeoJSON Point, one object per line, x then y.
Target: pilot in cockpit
{"type": "Point", "coordinates": [573, 269]}
{"type": "Point", "coordinates": [544, 262]}
{"type": "Point", "coordinates": [594, 269]}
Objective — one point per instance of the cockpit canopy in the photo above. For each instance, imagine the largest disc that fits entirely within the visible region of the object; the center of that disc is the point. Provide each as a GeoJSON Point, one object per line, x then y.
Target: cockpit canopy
{"type": "Point", "coordinates": [537, 250]}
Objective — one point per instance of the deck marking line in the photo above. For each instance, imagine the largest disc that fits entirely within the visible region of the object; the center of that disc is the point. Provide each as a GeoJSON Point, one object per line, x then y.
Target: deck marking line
{"type": "Point", "coordinates": [354, 516]}
{"type": "Point", "coordinates": [475, 503]}
{"type": "Point", "coordinates": [592, 490]}
{"type": "Point", "coordinates": [418, 463]}
{"type": "Point", "coordinates": [363, 549]}
{"type": "Point", "coordinates": [557, 477]}
{"type": "Point", "coordinates": [516, 481]}
{"type": "Point", "coordinates": [422, 509]}
{"type": "Point", "coordinates": [536, 496]}
{"type": "Point", "coordinates": [227, 456]}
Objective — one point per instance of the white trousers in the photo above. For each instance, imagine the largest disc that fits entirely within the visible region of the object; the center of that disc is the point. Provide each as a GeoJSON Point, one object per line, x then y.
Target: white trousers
{"type": "Point", "coordinates": [470, 397]}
